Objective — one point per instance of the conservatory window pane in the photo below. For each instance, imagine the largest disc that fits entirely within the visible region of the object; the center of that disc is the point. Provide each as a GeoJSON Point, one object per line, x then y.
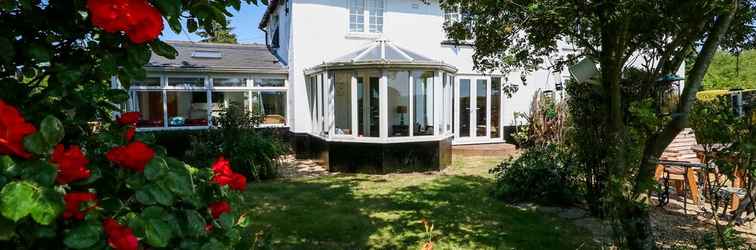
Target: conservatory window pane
{"type": "Point", "coordinates": [229, 82]}
{"type": "Point", "coordinates": [273, 107]}
{"type": "Point", "coordinates": [223, 100]}
{"type": "Point", "coordinates": [375, 8]}
{"type": "Point", "coordinates": [186, 108]}
{"type": "Point", "coordinates": [423, 103]}
{"type": "Point", "coordinates": [356, 16]}
{"type": "Point", "coordinates": [186, 81]}
{"type": "Point", "coordinates": [343, 103]}
{"type": "Point", "coordinates": [147, 82]}
{"type": "Point", "coordinates": [398, 101]}
{"type": "Point", "coordinates": [270, 82]}
{"type": "Point", "coordinates": [150, 106]}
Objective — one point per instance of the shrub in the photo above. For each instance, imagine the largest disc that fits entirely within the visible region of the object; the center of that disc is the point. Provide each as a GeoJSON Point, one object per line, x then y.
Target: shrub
{"type": "Point", "coordinates": [253, 154]}
{"type": "Point", "coordinates": [542, 174]}
{"type": "Point", "coordinates": [115, 189]}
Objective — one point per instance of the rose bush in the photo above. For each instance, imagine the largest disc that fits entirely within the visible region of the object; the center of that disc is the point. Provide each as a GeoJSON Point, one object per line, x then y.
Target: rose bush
{"type": "Point", "coordinates": [71, 176]}
{"type": "Point", "coordinates": [114, 192]}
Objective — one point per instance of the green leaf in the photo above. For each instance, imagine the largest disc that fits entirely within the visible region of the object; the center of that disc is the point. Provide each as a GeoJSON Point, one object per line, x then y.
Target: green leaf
{"type": "Point", "coordinates": [144, 197]}
{"type": "Point", "coordinates": [180, 182]}
{"type": "Point", "coordinates": [36, 143]}
{"type": "Point", "coordinates": [157, 232]}
{"type": "Point", "coordinates": [49, 206]}
{"type": "Point", "coordinates": [136, 181]}
{"type": "Point", "coordinates": [153, 212]}
{"type": "Point", "coordinates": [213, 244]}
{"type": "Point", "coordinates": [226, 221]}
{"type": "Point", "coordinates": [169, 7]}
{"type": "Point", "coordinates": [117, 95]}
{"type": "Point", "coordinates": [163, 49]}
{"type": "Point", "coordinates": [160, 194]}
{"type": "Point", "coordinates": [195, 224]}
{"type": "Point", "coordinates": [42, 172]}
{"type": "Point", "coordinates": [191, 25]}
{"type": "Point", "coordinates": [7, 229]}
{"type": "Point", "coordinates": [83, 236]}
{"type": "Point", "coordinates": [138, 55]}
{"type": "Point", "coordinates": [8, 167]}
{"type": "Point", "coordinates": [52, 129]}
{"type": "Point", "coordinates": [38, 52]}
{"type": "Point", "coordinates": [156, 168]}
{"type": "Point", "coordinates": [18, 199]}
{"type": "Point", "coordinates": [175, 24]}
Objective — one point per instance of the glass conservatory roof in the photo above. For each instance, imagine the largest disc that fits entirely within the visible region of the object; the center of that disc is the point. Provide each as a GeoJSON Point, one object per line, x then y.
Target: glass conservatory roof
{"type": "Point", "coordinates": [383, 53]}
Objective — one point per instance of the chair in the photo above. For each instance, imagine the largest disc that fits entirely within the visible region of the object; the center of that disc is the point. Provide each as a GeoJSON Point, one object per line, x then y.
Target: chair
{"type": "Point", "coordinates": [679, 164]}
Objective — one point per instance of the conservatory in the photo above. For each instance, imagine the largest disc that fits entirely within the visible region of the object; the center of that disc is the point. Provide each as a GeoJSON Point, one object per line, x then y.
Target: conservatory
{"type": "Point", "coordinates": [391, 105]}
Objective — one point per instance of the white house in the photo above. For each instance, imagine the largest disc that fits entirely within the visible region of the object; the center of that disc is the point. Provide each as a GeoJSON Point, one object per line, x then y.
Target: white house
{"type": "Point", "coordinates": [367, 85]}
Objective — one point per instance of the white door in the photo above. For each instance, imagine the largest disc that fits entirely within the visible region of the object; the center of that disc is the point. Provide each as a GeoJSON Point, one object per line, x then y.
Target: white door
{"type": "Point", "coordinates": [478, 110]}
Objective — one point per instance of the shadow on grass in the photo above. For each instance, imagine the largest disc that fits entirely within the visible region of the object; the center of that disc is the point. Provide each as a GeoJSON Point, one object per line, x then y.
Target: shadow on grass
{"type": "Point", "coordinates": [359, 212]}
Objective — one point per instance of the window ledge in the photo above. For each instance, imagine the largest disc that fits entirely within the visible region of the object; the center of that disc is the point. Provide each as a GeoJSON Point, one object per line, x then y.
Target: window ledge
{"type": "Point", "coordinates": [363, 35]}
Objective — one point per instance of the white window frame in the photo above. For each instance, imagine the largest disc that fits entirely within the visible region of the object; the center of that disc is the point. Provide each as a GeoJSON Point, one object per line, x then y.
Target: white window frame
{"type": "Point", "coordinates": [208, 89]}
{"type": "Point", "coordinates": [366, 14]}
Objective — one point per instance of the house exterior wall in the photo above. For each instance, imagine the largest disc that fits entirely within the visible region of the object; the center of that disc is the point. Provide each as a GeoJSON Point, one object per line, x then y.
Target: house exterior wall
{"type": "Point", "coordinates": [319, 33]}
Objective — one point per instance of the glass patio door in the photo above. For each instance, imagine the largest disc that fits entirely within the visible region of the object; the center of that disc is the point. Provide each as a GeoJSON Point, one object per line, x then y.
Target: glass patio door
{"type": "Point", "coordinates": [477, 110]}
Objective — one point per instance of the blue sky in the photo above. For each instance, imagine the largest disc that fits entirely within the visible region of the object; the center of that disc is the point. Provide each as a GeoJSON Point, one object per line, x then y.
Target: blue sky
{"type": "Point", "coordinates": [244, 23]}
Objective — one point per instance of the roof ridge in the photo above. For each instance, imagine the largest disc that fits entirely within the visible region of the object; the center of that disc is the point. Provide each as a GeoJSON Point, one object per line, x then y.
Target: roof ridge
{"type": "Point", "coordinates": [215, 44]}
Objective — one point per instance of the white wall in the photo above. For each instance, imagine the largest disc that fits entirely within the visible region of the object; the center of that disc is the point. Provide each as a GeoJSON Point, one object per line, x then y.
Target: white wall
{"type": "Point", "coordinates": [319, 33]}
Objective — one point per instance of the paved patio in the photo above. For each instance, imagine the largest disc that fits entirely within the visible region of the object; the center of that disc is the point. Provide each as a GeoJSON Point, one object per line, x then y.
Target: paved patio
{"type": "Point", "coordinates": [484, 149]}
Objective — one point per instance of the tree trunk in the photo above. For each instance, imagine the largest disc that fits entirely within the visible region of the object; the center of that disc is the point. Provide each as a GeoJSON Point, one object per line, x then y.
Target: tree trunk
{"type": "Point", "coordinates": [636, 222]}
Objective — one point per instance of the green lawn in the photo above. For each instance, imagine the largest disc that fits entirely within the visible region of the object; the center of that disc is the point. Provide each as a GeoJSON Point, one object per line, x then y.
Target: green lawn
{"type": "Point", "coordinates": [355, 211]}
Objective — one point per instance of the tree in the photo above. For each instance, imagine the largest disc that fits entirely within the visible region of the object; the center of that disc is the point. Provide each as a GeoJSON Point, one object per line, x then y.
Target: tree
{"type": "Point", "coordinates": [220, 33]}
{"type": "Point", "coordinates": [730, 71]}
{"type": "Point", "coordinates": [523, 34]}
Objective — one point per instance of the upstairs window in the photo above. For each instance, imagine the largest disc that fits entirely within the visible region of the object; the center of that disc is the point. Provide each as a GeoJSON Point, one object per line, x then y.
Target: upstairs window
{"type": "Point", "coordinates": [366, 15]}
{"type": "Point", "coordinates": [456, 15]}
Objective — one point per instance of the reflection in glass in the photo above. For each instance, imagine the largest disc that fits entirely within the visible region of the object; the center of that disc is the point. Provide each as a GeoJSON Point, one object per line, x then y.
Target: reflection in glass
{"type": "Point", "coordinates": [464, 107]}
{"type": "Point", "coordinates": [186, 81]}
{"type": "Point", "coordinates": [150, 105]}
{"type": "Point", "coordinates": [398, 103]}
{"type": "Point", "coordinates": [273, 107]}
{"type": "Point", "coordinates": [423, 103]}
{"type": "Point", "coordinates": [186, 108]}
{"type": "Point", "coordinates": [269, 82]}
{"type": "Point", "coordinates": [229, 82]}
{"type": "Point", "coordinates": [374, 106]}
{"type": "Point", "coordinates": [343, 103]}
{"type": "Point", "coordinates": [495, 106]}
{"type": "Point", "coordinates": [147, 82]}
{"type": "Point", "coordinates": [222, 100]}
{"type": "Point", "coordinates": [481, 90]}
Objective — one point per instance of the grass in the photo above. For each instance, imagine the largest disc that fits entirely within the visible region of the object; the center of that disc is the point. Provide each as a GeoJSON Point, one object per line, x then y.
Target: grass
{"type": "Point", "coordinates": [356, 211]}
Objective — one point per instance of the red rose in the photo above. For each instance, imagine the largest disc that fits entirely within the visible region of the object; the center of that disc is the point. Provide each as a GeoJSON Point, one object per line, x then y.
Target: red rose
{"type": "Point", "coordinates": [129, 118]}
{"type": "Point", "coordinates": [148, 26]}
{"type": "Point", "coordinates": [238, 182]}
{"type": "Point", "coordinates": [129, 134]}
{"type": "Point", "coordinates": [120, 237]}
{"type": "Point", "coordinates": [74, 202]}
{"type": "Point", "coordinates": [72, 164]}
{"type": "Point", "coordinates": [13, 129]}
{"type": "Point", "coordinates": [133, 156]}
{"type": "Point", "coordinates": [109, 15]}
{"type": "Point", "coordinates": [141, 21]}
{"type": "Point", "coordinates": [218, 208]}
{"type": "Point", "coordinates": [225, 176]}
{"type": "Point", "coordinates": [209, 227]}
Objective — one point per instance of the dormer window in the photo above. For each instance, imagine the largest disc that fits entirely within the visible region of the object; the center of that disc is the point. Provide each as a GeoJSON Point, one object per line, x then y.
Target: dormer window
{"type": "Point", "coordinates": [366, 16]}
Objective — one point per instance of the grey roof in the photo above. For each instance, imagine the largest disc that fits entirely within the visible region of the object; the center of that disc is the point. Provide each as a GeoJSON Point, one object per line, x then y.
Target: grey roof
{"type": "Point", "coordinates": [383, 53]}
{"type": "Point", "coordinates": [216, 57]}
